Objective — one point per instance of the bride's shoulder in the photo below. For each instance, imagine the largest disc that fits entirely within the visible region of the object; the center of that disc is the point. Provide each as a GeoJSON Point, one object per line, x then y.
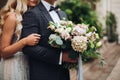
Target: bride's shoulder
{"type": "Point", "coordinates": [11, 16]}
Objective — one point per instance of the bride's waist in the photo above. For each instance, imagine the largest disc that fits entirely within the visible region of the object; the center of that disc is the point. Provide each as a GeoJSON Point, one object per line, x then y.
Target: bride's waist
{"type": "Point", "coordinates": [17, 56]}
{"type": "Point", "coordinates": [18, 53]}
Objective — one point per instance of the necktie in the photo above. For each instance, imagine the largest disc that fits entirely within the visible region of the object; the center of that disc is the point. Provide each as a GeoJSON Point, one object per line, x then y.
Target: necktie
{"type": "Point", "coordinates": [53, 8]}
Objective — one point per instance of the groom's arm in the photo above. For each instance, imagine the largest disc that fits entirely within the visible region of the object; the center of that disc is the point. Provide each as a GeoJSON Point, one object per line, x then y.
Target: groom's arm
{"type": "Point", "coordinates": [31, 25]}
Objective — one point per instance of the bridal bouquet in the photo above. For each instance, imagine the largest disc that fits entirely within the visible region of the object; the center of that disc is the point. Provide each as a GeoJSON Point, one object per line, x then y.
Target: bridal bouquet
{"type": "Point", "coordinates": [76, 38]}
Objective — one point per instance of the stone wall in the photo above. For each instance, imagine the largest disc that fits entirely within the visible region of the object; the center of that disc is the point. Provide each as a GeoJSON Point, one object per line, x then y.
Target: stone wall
{"type": "Point", "coordinates": [115, 8]}
{"type": "Point", "coordinates": [109, 5]}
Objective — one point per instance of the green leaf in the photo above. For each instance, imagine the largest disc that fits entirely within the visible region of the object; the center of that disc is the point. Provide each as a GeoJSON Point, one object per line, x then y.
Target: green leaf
{"type": "Point", "coordinates": [59, 42]}
{"type": "Point", "coordinates": [50, 42]}
{"type": "Point", "coordinates": [58, 37]}
{"type": "Point", "coordinates": [63, 46]}
{"type": "Point", "coordinates": [56, 25]}
{"type": "Point", "coordinates": [97, 36]}
{"type": "Point", "coordinates": [92, 45]}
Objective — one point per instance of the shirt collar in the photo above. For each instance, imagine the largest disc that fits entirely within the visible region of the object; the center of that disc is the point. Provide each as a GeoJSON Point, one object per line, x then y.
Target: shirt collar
{"type": "Point", "coordinates": [46, 4]}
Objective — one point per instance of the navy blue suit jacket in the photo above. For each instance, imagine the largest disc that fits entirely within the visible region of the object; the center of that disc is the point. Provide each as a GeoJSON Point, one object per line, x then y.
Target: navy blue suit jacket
{"type": "Point", "coordinates": [43, 59]}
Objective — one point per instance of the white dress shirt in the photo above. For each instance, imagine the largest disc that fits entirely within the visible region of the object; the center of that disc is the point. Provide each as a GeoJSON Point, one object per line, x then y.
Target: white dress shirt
{"type": "Point", "coordinates": [52, 13]}
{"type": "Point", "coordinates": [54, 17]}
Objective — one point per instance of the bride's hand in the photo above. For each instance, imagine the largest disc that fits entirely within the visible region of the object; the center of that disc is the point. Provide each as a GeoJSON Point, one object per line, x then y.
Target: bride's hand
{"type": "Point", "coordinates": [32, 39]}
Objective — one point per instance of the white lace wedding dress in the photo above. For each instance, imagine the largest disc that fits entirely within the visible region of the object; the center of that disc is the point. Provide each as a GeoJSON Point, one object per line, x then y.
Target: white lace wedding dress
{"type": "Point", "coordinates": [14, 68]}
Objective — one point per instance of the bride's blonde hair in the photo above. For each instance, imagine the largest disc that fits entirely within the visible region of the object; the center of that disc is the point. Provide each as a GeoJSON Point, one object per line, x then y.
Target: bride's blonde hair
{"type": "Point", "coordinates": [19, 7]}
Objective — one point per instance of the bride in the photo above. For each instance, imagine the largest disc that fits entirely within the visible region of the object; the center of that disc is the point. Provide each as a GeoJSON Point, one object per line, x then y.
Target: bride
{"type": "Point", "coordinates": [14, 64]}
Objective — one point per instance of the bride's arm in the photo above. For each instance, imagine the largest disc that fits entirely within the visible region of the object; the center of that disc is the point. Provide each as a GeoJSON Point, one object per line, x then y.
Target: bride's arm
{"type": "Point", "coordinates": [7, 49]}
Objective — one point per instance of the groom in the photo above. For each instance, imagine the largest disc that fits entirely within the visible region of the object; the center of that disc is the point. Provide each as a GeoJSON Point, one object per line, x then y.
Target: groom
{"type": "Point", "coordinates": [45, 61]}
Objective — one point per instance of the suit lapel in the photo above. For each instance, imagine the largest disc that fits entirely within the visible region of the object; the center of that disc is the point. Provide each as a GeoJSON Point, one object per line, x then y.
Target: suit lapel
{"type": "Point", "coordinates": [44, 12]}
{"type": "Point", "coordinates": [61, 16]}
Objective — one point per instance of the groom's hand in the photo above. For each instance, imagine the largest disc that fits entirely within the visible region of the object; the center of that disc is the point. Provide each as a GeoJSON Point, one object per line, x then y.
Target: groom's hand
{"type": "Point", "coordinates": [65, 58]}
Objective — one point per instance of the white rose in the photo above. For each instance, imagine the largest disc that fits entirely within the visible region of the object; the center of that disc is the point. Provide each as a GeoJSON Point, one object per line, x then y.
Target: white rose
{"type": "Point", "coordinates": [99, 44]}
{"type": "Point", "coordinates": [70, 22]}
{"type": "Point", "coordinates": [62, 22]}
{"type": "Point", "coordinates": [78, 31]}
{"type": "Point", "coordinates": [52, 27]}
{"type": "Point", "coordinates": [59, 30]}
{"type": "Point", "coordinates": [84, 26]}
{"type": "Point", "coordinates": [68, 29]}
{"type": "Point", "coordinates": [91, 36]}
